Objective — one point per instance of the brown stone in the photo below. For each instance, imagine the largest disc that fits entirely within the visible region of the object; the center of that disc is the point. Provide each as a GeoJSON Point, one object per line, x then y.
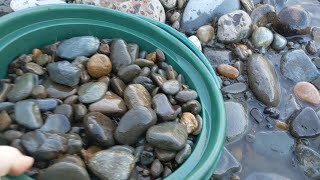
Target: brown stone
{"type": "Point", "coordinates": [36, 53]}
{"type": "Point", "coordinates": [137, 95]}
{"type": "Point", "coordinates": [282, 125]}
{"type": "Point", "coordinates": [99, 65]}
{"type": "Point", "coordinates": [227, 71]}
{"type": "Point", "coordinates": [307, 92]}
{"type": "Point", "coordinates": [152, 56]}
{"type": "Point", "coordinates": [88, 153]}
{"type": "Point", "coordinates": [5, 120]}
{"type": "Point", "coordinates": [40, 92]}
{"type": "Point", "coordinates": [190, 121]}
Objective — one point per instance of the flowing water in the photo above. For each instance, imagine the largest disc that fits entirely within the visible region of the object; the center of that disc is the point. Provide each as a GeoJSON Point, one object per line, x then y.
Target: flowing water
{"type": "Point", "coordinates": [244, 150]}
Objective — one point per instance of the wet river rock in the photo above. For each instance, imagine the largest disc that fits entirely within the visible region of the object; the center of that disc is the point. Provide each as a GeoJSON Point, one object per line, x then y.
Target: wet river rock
{"type": "Point", "coordinates": [112, 164]}
{"type": "Point", "coordinates": [64, 170]}
{"type": "Point", "coordinates": [43, 145]}
{"type": "Point", "coordinates": [78, 46]}
{"type": "Point", "coordinates": [293, 20]}
{"type": "Point", "coordinates": [306, 124]}
{"type": "Point", "coordinates": [168, 136]}
{"type": "Point", "coordinates": [137, 95]}
{"type": "Point", "coordinates": [163, 107]}
{"type": "Point", "coordinates": [27, 113]}
{"type": "Point", "coordinates": [110, 104]}
{"type": "Point", "coordinates": [100, 128]}
{"type": "Point", "coordinates": [263, 80]}
{"type": "Point", "coordinates": [23, 87]}
{"type": "Point", "coordinates": [64, 73]}
{"type": "Point", "coordinates": [120, 56]}
{"type": "Point", "coordinates": [57, 123]}
{"type": "Point", "coordinates": [92, 92]}
{"type": "Point", "coordinates": [134, 123]}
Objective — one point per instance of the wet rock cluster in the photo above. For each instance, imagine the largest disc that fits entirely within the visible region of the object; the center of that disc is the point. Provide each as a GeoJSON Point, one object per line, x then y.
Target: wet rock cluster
{"type": "Point", "coordinates": [88, 108]}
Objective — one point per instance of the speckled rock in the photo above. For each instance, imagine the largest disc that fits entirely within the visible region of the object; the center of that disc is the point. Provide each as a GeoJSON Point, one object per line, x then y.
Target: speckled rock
{"type": "Point", "coordinates": [190, 121]}
{"type": "Point", "coordinates": [263, 80]}
{"type": "Point", "coordinates": [197, 14]}
{"type": "Point", "coordinates": [78, 46]}
{"type": "Point", "coordinates": [149, 8]}
{"type": "Point", "coordinates": [297, 66]}
{"type": "Point", "coordinates": [234, 26]}
{"type": "Point", "coordinates": [309, 159]}
{"type": "Point", "coordinates": [112, 164]}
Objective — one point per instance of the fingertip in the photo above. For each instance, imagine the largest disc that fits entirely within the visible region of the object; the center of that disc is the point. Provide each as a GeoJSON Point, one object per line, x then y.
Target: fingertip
{"type": "Point", "coordinates": [21, 165]}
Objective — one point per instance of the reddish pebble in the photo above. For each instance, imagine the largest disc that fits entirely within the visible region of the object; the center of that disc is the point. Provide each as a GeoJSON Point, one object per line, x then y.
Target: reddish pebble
{"type": "Point", "coordinates": [227, 71]}
{"type": "Point", "coordinates": [307, 92]}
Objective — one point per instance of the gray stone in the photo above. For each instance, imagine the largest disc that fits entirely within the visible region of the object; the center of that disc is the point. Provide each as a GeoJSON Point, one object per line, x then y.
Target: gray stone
{"type": "Point", "coordinates": [146, 158]}
{"type": "Point", "coordinates": [149, 8]}
{"type": "Point", "coordinates": [128, 73]}
{"type": "Point", "coordinates": [237, 120]}
{"type": "Point", "coordinates": [263, 15]}
{"type": "Point", "coordinates": [92, 92]}
{"type": "Point", "coordinates": [78, 46]}
{"type": "Point", "coordinates": [186, 95]}
{"type": "Point", "coordinates": [274, 144]}
{"type": "Point", "coordinates": [297, 66]}
{"type": "Point", "coordinates": [43, 145]}
{"type": "Point", "coordinates": [144, 81]}
{"type": "Point", "coordinates": [119, 56]}
{"type": "Point", "coordinates": [74, 159]}
{"type": "Point", "coordinates": [315, 82]}
{"type": "Point", "coordinates": [263, 80]}
{"type": "Point", "coordinates": [183, 154]}
{"type": "Point", "coordinates": [135, 123]}
{"type": "Point", "coordinates": [309, 159]}
{"type": "Point", "coordinates": [265, 176]}
{"type": "Point", "coordinates": [235, 88]}
{"type": "Point", "coordinates": [100, 128]}
{"type": "Point", "coordinates": [168, 136]}
{"type": "Point", "coordinates": [197, 14]}
{"type": "Point", "coordinates": [59, 91]}
{"type": "Point", "coordinates": [117, 86]}
{"type": "Point", "coordinates": [163, 107]}
{"type": "Point", "coordinates": [217, 57]}
{"type": "Point", "coordinates": [227, 165]}
{"type": "Point", "coordinates": [27, 113]}
{"type": "Point", "coordinates": [262, 37]}
{"type": "Point", "coordinates": [171, 87]}
{"type": "Point", "coordinates": [144, 63]}
{"type": "Point", "coordinates": [23, 87]}
{"type": "Point", "coordinates": [156, 168]}
{"type": "Point", "coordinates": [193, 106]}
{"type": "Point", "coordinates": [234, 26]}
{"type": "Point", "coordinates": [64, 170]}
{"type": "Point", "coordinates": [279, 42]}
{"type": "Point", "coordinates": [47, 104]}
{"type": "Point", "coordinates": [64, 73]}
{"type": "Point", "coordinates": [110, 104]}
{"type": "Point", "coordinates": [112, 164]}
{"type": "Point", "coordinates": [11, 135]}
{"type": "Point", "coordinates": [65, 109]}
{"type": "Point", "coordinates": [74, 143]}
{"type": "Point", "coordinates": [56, 123]}
{"type": "Point", "coordinates": [164, 155]}
{"type": "Point", "coordinates": [306, 124]}
{"type": "Point", "coordinates": [291, 106]}
{"type": "Point", "coordinates": [137, 95]}
{"type": "Point", "coordinates": [6, 106]}
{"type": "Point", "coordinates": [127, 148]}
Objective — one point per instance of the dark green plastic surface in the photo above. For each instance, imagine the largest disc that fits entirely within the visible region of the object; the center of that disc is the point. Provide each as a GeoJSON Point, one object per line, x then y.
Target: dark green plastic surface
{"type": "Point", "coordinates": [22, 31]}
